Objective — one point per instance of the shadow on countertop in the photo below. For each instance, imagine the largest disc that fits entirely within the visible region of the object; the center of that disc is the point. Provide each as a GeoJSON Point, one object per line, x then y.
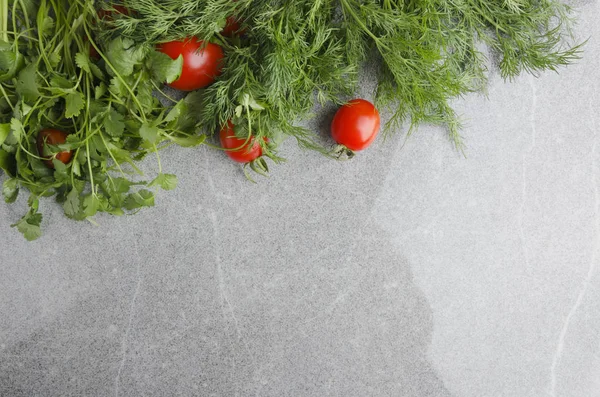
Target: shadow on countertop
{"type": "Point", "coordinates": [294, 292]}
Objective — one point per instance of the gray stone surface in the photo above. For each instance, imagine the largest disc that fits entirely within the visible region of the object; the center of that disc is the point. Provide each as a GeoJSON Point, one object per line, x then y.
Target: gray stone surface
{"type": "Point", "coordinates": [409, 271]}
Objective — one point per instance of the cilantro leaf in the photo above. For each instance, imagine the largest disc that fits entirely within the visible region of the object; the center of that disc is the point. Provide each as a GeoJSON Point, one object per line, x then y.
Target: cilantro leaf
{"type": "Point", "coordinates": [27, 86]}
{"type": "Point", "coordinates": [7, 162]}
{"type": "Point", "coordinates": [74, 104]}
{"type": "Point", "coordinates": [123, 55]}
{"type": "Point", "coordinates": [4, 131]}
{"type": "Point", "coordinates": [100, 90]}
{"type": "Point", "coordinates": [72, 205]}
{"type": "Point", "coordinates": [17, 129]}
{"type": "Point", "coordinates": [164, 68]}
{"type": "Point", "coordinates": [120, 185]}
{"type": "Point", "coordinates": [113, 123]}
{"type": "Point", "coordinates": [10, 62]}
{"type": "Point", "coordinates": [55, 59]}
{"type": "Point", "coordinates": [10, 190]}
{"type": "Point", "coordinates": [144, 95]}
{"type": "Point", "coordinates": [149, 133]}
{"type": "Point", "coordinates": [117, 87]}
{"type": "Point", "coordinates": [188, 141]}
{"type": "Point", "coordinates": [165, 181]}
{"type": "Point", "coordinates": [91, 203]}
{"type": "Point", "coordinates": [142, 198]}
{"type": "Point", "coordinates": [83, 61]}
{"type": "Point", "coordinates": [176, 111]}
{"type": "Point", "coordinates": [29, 225]}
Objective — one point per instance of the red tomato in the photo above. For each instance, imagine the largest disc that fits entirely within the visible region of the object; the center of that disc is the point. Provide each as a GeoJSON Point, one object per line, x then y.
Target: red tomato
{"type": "Point", "coordinates": [106, 15]}
{"type": "Point", "coordinates": [238, 149]}
{"type": "Point", "coordinates": [356, 124]}
{"type": "Point", "coordinates": [94, 54]}
{"type": "Point", "coordinates": [201, 65]}
{"type": "Point", "coordinates": [109, 13]}
{"type": "Point", "coordinates": [232, 27]}
{"type": "Point", "coordinates": [51, 136]}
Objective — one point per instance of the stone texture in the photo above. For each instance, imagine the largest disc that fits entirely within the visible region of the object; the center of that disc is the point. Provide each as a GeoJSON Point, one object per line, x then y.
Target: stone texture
{"type": "Point", "coordinates": [408, 271]}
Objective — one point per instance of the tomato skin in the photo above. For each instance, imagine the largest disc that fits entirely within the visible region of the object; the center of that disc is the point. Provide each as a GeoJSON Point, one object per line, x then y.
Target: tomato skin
{"type": "Point", "coordinates": [239, 150]}
{"type": "Point", "coordinates": [232, 27]}
{"type": "Point", "coordinates": [53, 137]}
{"type": "Point", "coordinates": [200, 65]}
{"type": "Point", "coordinates": [109, 13]}
{"type": "Point", "coordinates": [107, 16]}
{"type": "Point", "coordinates": [356, 124]}
{"type": "Point", "coordinates": [94, 54]}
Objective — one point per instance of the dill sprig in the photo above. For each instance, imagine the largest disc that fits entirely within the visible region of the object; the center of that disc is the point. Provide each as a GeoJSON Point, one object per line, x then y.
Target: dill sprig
{"type": "Point", "coordinates": [297, 53]}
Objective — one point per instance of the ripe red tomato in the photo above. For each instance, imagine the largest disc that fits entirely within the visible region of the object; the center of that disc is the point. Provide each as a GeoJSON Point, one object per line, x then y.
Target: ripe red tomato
{"type": "Point", "coordinates": [107, 16]}
{"type": "Point", "coordinates": [238, 149]}
{"type": "Point", "coordinates": [201, 64]}
{"type": "Point", "coordinates": [109, 13]}
{"type": "Point", "coordinates": [51, 136]}
{"type": "Point", "coordinates": [232, 27]}
{"type": "Point", "coordinates": [94, 54]}
{"type": "Point", "coordinates": [356, 124]}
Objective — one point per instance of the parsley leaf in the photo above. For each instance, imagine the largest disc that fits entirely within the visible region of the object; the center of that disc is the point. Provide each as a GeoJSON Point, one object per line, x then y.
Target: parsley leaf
{"type": "Point", "coordinates": [29, 225]}
{"type": "Point", "coordinates": [4, 131]}
{"type": "Point", "coordinates": [164, 68]}
{"type": "Point", "coordinates": [149, 133]}
{"type": "Point", "coordinates": [83, 61]}
{"type": "Point", "coordinates": [27, 85]}
{"type": "Point", "coordinates": [165, 181]}
{"type": "Point", "coordinates": [142, 198]}
{"type": "Point", "coordinates": [113, 123]}
{"type": "Point", "coordinates": [74, 104]}
{"type": "Point", "coordinates": [123, 55]}
{"type": "Point", "coordinates": [10, 190]}
{"type": "Point", "coordinates": [72, 205]}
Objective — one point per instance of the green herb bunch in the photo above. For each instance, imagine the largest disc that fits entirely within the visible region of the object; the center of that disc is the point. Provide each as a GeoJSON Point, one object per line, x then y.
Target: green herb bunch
{"type": "Point", "coordinates": [106, 105]}
{"type": "Point", "coordinates": [97, 77]}
{"type": "Point", "coordinates": [296, 53]}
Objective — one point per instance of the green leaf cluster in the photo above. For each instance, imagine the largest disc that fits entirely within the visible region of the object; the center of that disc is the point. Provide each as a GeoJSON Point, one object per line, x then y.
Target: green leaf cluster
{"type": "Point", "coordinates": [298, 53]}
{"type": "Point", "coordinates": [107, 104]}
{"type": "Point", "coordinates": [99, 79]}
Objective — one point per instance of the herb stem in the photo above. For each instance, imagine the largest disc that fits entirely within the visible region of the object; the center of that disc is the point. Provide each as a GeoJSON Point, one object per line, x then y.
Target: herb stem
{"type": "Point", "coordinates": [4, 16]}
{"type": "Point", "coordinates": [5, 95]}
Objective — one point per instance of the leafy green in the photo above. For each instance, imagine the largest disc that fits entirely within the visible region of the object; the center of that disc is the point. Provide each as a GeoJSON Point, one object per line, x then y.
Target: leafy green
{"type": "Point", "coordinates": [74, 104]}
{"type": "Point", "coordinates": [294, 55]}
{"type": "Point", "coordinates": [165, 181]}
{"type": "Point", "coordinates": [29, 225]}
{"type": "Point", "coordinates": [10, 190]}
{"type": "Point", "coordinates": [106, 106]}
{"type": "Point", "coordinates": [298, 53]}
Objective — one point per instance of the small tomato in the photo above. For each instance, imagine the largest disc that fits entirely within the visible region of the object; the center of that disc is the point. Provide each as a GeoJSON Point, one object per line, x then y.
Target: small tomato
{"type": "Point", "coordinates": [52, 136]}
{"type": "Point", "coordinates": [356, 124]}
{"type": "Point", "coordinates": [202, 62]}
{"type": "Point", "coordinates": [241, 150]}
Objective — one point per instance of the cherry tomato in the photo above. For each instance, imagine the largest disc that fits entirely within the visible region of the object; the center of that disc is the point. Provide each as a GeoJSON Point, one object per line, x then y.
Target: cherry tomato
{"type": "Point", "coordinates": [51, 136]}
{"type": "Point", "coordinates": [94, 54]}
{"type": "Point", "coordinates": [238, 149]}
{"type": "Point", "coordinates": [356, 124]}
{"type": "Point", "coordinates": [115, 9]}
{"type": "Point", "coordinates": [107, 16]}
{"type": "Point", "coordinates": [201, 64]}
{"type": "Point", "coordinates": [232, 27]}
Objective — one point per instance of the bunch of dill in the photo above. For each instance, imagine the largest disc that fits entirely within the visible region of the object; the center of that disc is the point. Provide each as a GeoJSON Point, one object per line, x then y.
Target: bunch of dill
{"type": "Point", "coordinates": [296, 53]}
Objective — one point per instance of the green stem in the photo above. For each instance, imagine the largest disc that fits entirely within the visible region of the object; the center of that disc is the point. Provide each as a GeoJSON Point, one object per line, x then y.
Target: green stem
{"type": "Point", "coordinates": [89, 162]}
{"type": "Point", "coordinates": [350, 10]}
{"type": "Point", "coordinates": [6, 97]}
{"type": "Point", "coordinates": [118, 76]}
{"type": "Point", "coordinates": [4, 16]}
